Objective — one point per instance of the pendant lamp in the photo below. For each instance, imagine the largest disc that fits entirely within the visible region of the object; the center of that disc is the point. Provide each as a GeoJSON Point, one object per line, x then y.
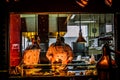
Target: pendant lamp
{"type": "Point", "coordinates": [80, 39]}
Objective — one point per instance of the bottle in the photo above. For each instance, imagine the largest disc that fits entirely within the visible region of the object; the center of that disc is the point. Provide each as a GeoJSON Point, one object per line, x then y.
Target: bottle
{"type": "Point", "coordinates": [106, 66]}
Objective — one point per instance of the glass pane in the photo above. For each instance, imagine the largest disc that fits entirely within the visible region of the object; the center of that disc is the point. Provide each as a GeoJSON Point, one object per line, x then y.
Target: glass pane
{"type": "Point", "coordinates": [96, 29]}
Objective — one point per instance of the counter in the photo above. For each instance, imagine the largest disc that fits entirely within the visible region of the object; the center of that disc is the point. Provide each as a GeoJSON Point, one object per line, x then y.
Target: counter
{"type": "Point", "coordinates": [53, 78]}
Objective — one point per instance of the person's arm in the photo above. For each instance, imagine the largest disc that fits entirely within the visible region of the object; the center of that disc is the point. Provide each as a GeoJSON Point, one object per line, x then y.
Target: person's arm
{"type": "Point", "coordinates": [70, 59]}
{"type": "Point", "coordinates": [49, 53]}
{"type": "Point", "coordinates": [70, 54]}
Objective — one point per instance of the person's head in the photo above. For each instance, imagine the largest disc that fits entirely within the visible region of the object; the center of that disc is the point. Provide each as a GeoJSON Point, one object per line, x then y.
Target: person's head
{"type": "Point", "coordinates": [36, 39]}
{"type": "Point", "coordinates": [60, 40]}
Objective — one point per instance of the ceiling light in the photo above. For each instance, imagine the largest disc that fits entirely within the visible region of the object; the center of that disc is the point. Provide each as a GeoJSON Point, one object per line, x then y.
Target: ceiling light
{"type": "Point", "coordinates": [85, 21]}
{"type": "Point", "coordinates": [80, 38]}
{"type": "Point", "coordinates": [82, 3]}
{"type": "Point", "coordinates": [72, 17]}
{"type": "Point", "coordinates": [108, 2]}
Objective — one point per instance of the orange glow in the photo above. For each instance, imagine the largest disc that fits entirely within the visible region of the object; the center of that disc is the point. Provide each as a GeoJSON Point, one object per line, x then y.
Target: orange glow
{"type": "Point", "coordinates": [29, 35]}
{"type": "Point", "coordinates": [82, 3]}
{"type": "Point", "coordinates": [104, 62]}
{"type": "Point", "coordinates": [31, 57]}
{"type": "Point", "coordinates": [108, 2]}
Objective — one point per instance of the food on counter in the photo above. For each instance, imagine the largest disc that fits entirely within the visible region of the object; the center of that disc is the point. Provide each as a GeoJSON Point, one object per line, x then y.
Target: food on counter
{"type": "Point", "coordinates": [70, 73]}
{"type": "Point", "coordinates": [63, 73]}
{"type": "Point", "coordinates": [92, 60]}
{"type": "Point", "coordinates": [91, 72]}
{"type": "Point", "coordinates": [38, 74]}
{"type": "Point", "coordinates": [28, 72]}
{"type": "Point", "coordinates": [47, 74]}
{"type": "Point", "coordinates": [88, 72]}
{"type": "Point", "coordinates": [95, 72]}
{"type": "Point", "coordinates": [81, 73]}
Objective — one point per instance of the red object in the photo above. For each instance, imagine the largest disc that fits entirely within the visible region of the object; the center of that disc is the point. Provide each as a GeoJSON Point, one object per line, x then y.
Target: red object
{"type": "Point", "coordinates": [15, 27]}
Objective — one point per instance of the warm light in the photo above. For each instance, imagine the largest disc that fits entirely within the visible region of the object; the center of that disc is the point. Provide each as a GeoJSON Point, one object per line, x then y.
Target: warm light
{"type": "Point", "coordinates": [105, 62]}
{"type": "Point", "coordinates": [108, 2]}
{"type": "Point", "coordinates": [82, 3]}
{"type": "Point", "coordinates": [81, 39]}
{"type": "Point", "coordinates": [73, 16]}
{"type": "Point", "coordinates": [29, 34]}
{"type": "Point", "coordinates": [7, 1]}
{"type": "Point", "coordinates": [60, 33]}
{"type": "Point", "coordinates": [31, 56]}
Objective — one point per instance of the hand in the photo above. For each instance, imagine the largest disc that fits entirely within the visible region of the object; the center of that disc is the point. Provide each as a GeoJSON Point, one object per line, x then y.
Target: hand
{"type": "Point", "coordinates": [52, 60]}
{"type": "Point", "coordinates": [65, 62]}
{"type": "Point", "coordinates": [63, 67]}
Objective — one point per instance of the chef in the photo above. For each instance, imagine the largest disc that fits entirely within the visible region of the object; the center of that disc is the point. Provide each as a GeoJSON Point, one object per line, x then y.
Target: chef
{"type": "Point", "coordinates": [31, 53]}
{"type": "Point", "coordinates": [60, 52]}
